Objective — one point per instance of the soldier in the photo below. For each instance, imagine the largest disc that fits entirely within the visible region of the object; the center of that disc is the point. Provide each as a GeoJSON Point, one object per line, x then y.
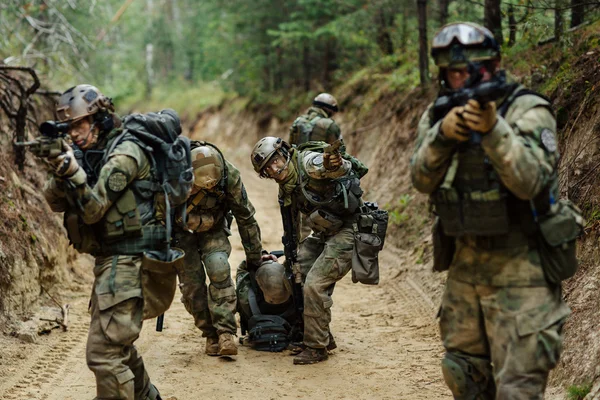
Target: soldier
{"type": "Point", "coordinates": [107, 217]}
{"type": "Point", "coordinates": [218, 192]}
{"type": "Point", "coordinates": [487, 168]}
{"type": "Point", "coordinates": [325, 188]}
{"type": "Point", "coordinates": [316, 125]}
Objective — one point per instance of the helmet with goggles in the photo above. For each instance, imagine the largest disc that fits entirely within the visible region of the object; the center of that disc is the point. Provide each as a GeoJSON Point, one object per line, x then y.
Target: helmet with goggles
{"type": "Point", "coordinates": [460, 43]}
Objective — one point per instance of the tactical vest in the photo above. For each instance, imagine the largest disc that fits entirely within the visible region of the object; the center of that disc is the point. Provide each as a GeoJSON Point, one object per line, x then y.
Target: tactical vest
{"type": "Point", "coordinates": [340, 197]}
{"type": "Point", "coordinates": [126, 227]}
{"type": "Point", "coordinates": [310, 127]}
{"type": "Point", "coordinates": [472, 200]}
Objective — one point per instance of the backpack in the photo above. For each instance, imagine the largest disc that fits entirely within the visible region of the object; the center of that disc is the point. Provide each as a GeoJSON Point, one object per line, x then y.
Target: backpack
{"type": "Point", "coordinates": [268, 333]}
{"type": "Point", "coordinates": [359, 168]}
{"type": "Point", "coordinates": [304, 128]}
{"type": "Point", "coordinates": [159, 134]}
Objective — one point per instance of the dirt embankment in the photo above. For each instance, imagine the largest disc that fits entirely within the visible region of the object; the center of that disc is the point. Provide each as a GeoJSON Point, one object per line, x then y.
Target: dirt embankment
{"type": "Point", "coordinates": [34, 254]}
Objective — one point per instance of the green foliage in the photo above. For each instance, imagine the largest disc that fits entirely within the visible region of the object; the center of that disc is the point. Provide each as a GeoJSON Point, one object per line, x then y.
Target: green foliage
{"type": "Point", "coordinates": [397, 212]}
{"type": "Point", "coordinates": [578, 392]}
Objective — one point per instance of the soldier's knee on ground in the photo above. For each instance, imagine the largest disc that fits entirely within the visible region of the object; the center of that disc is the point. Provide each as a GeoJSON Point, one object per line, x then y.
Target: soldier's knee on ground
{"type": "Point", "coordinates": [469, 378]}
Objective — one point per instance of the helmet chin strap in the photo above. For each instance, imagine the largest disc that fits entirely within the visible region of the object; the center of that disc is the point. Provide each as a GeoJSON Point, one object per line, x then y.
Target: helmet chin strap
{"type": "Point", "coordinates": [90, 133]}
{"type": "Point", "coordinates": [285, 166]}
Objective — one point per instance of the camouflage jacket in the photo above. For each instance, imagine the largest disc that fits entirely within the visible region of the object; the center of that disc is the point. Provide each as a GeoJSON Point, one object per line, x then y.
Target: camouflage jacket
{"type": "Point", "coordinates": [208, 208]}
{"type": "Point", "coordinates": [521, 149]}
{"type": "Point", "coordinates": [314, 125]}
{"type": "Point", "coordinates": [109, 207]}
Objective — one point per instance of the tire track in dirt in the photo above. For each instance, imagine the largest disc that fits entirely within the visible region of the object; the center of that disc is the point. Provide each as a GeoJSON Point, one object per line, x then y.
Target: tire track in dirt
{"type": "Point", "coordinates": [38, 374]}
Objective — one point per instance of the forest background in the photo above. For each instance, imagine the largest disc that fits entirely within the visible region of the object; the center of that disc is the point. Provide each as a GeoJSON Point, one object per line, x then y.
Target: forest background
{"type": "Point", "coordinates": [260, 63]}
{"type": "Point", "coordinates": [190, 53]}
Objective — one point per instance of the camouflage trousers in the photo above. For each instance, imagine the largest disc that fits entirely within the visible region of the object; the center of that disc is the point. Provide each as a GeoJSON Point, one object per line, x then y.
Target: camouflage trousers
{"type": "Point", "coordinates": [323, 261]}
{"type": "Point", "coordinates": [504, 339]}
{"type": "Point", "coordinates": [212, 307]}
{"type": "Point", "coordinates": [116, 310]}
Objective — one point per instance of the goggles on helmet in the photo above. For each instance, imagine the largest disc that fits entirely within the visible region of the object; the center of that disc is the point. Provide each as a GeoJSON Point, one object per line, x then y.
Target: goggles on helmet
{"type": "Point", "coordinates": [465, 34]}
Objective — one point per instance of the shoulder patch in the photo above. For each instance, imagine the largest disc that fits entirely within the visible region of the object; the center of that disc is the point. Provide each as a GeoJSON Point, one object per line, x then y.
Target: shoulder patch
{"type": "Point", "coordinates": [548, 139]}
{"type": "Point", "coordinates": [318, 160]}
{"type": "Point", "coordinates": [117, 181]}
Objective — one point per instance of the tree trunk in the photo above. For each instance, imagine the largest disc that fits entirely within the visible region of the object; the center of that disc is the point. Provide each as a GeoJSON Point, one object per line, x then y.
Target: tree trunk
{"type": "Point", "coordinates": [558, 20]}
{"type": "Point", "coordinates": [423, 48]}
{"type": "Point", "coordinates": [384, 24]}
{"type": "Point", "coordinates": [493, 19]}
{"type": "Point", "coordinates": [512, 26]}
{"type": "Point", "coordinates": [306, 66]}
{"type": "Point", "coordinates": [404, 31]}
{"type": "Point", "coordinates": [577, 12]}
{"type": "Point", "coordinates": [443, 4]}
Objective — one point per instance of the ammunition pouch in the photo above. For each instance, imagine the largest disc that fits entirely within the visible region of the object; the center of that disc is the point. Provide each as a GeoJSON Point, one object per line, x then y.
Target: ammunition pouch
{"type": "Point", "coordinates": [81, 236]}
{"type": "Point", "coordinates": [558, 232]}
{"type": "Point", "coordinates": [159, 280]}
{"type": "Point", "coordinates": [472, 213]}
{"type": "Point", "coordinates": [444, 247]}
{"type": "Point", "coordinates": [321, 221]}
{"type": "Point", "coordinates": [123, 218]}
{"type": "Point", "coordinates": [369, 236]}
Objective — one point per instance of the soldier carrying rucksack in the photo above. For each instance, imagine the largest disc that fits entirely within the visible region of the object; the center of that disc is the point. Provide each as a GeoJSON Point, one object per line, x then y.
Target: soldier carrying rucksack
{"type": "Point", "coordinates": [119, 187]}
{"type": "Point", "coordinates": [317, 123]}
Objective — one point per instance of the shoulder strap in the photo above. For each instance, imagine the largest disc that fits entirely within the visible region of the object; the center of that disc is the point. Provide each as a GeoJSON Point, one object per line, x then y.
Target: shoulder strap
{"type": "Point", "coordinates": [516, 94]}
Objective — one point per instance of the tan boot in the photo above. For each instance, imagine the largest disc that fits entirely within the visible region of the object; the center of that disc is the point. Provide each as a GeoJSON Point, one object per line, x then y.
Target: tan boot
{"type": "Point", "coordinates": [212, 346]}
{"type": "Point", "coordinates": [227, 346]}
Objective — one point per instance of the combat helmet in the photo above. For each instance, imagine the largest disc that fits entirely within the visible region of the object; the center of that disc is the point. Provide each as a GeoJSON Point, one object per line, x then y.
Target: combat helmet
{"type": "Point", "coordinates": [327, 102]}
{"type": "Point", "coordinates": [459, 43]}
{"type": "Point", "coordinates": [271, 279]}
{"type": "Point", "coordinates": [266, 148]}
{"type": "Point", "coordinates": [81, 101]}
{"type": "Point", "coordinates": [208, 166]}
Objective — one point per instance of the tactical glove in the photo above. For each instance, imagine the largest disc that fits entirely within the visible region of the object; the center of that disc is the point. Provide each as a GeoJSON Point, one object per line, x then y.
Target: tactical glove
{"type": "Point", "coordinates": [332, 161]}
{"type": "Point", "coordinates": [480, 119]}
{"type": "Point", "coordinates": [454, 126]}
{"type": "Point", "coordinates": [65, 165]}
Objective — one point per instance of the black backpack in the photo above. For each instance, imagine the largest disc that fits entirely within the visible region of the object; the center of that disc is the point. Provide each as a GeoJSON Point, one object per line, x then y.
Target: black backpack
{"type": "Point", "coordinates": [159, 134]}
{"type": "Point", "coordinates": [266, 332]}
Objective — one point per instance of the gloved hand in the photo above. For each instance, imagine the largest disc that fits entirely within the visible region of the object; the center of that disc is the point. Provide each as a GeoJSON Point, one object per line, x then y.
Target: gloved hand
{"type": "Point", "coordinates": [65, 165]}
{"type": "Point", "coordinates": [332, 161]}
{"type": "Point", "coordinates": [480, 119]}
{"type": "Point", "coordinates": [454, 126]}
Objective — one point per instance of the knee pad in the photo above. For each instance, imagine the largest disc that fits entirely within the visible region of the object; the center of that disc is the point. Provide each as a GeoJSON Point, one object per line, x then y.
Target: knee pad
{"type": "Point", "coordinates": [469, 378]}
{"type": "Point", "coordinates": [217, 268]}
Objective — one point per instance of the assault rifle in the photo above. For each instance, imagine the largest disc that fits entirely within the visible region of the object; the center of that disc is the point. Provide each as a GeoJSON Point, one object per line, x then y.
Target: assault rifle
{"type": "Point", "coordinates": [51, 144]}
{"type": "Point", "coordinates": [292, 268]}
{"type": "Point", "coordinates": [482, 92]}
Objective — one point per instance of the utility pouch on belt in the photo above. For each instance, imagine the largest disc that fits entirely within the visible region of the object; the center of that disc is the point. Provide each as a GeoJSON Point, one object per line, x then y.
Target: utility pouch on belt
{"type": "Point", "coordinates": [369, 235]}
{"type": "Point", "coordinates": [123, 218]}
{"type": "Point", "coordinates": [444, 247]}
{"type": "Point", "coordinates": [321, 221]}
{"type": "Point", "coordinates": [557, 242]}
{"type": "Point", "coordinates": [81, 236]}
{"type": "Point", "coordinates": [159, 280]}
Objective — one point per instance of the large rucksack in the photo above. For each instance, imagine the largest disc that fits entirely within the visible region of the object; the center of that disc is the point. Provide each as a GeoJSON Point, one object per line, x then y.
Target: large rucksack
{"type": "Point", "coordinates": [170, 156]}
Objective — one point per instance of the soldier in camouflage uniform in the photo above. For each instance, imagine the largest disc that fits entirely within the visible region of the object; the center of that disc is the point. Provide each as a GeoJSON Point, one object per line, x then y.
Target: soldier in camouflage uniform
{"type": "Point", "coordinates": [315, 125]}
{"type": "Point", "coordinates": [486, 167]}
{"type": "Point", "coordinates": [218, 191]}
{"type": "Point", "coordinates": [99, 211]}
{"type": "Point", "coordinates": [326, 256]}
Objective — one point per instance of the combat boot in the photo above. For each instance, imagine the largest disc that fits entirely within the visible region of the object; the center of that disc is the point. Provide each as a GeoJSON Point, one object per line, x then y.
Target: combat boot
{"type": "Point", "coordinates": [227, 346]}
{"type": "Point", "coordinates": [297, 348]}
{"type": "Point", "coordinates": [212, 346]}
{"type": "Point", "coordinates": [311, 355]}
{"type": "Point", "coordinates": [331, 345]}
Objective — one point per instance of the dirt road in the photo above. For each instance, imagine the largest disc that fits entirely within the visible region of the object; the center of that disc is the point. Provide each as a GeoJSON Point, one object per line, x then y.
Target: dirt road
{"type": "Point", "coordinates": [388, 346]}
